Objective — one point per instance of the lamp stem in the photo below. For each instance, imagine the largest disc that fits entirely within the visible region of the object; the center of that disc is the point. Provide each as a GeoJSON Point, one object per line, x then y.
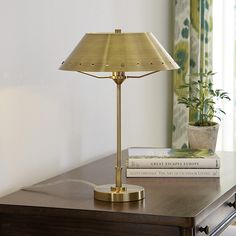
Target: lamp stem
{"type": "Point", "coordinates": [118, 78]}
{"type": "Point", "coordinates": [118, 157]}
{"type": "Point", "coordinates": [119, 192]}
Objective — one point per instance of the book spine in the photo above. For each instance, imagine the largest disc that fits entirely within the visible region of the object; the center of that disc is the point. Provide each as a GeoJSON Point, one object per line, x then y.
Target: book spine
{"type": "Point", "coordinates": [168, 163]}
{"type": "Point", "coordinates": [173, 173]}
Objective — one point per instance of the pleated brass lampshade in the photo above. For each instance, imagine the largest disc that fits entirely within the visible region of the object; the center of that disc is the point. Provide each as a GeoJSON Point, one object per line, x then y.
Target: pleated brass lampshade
{"type": "Point", "coordinates": [110, 52]}
{"type": "Point", "coordinates": [119, 53]}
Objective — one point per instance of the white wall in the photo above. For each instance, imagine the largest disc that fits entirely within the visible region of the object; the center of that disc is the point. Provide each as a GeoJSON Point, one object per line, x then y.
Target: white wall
{"type": "Point", "coordinates": [51, 120]}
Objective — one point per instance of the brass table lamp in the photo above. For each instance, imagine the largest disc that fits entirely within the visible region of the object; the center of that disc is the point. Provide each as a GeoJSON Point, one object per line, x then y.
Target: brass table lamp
{"type": "Point", "coordinates": [118, 53]}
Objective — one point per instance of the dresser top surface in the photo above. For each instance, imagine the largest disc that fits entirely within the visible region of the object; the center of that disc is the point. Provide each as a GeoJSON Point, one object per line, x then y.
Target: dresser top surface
{"type": "Point", "coordinates": [178, 198]}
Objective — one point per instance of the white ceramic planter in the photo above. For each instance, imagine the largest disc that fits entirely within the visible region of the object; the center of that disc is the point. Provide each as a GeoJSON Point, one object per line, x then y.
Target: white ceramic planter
{"type": "Point", "coordinates": [203, 137]}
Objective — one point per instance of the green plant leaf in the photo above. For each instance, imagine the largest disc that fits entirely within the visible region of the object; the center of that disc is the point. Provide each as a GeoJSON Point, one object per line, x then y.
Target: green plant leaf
{"type": "Point", "coordinates": [201, 97]}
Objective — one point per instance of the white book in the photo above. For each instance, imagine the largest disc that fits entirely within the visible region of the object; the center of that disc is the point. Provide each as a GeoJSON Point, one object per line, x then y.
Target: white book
{"type": "Point", "coordinates": [173, 173]}
{"type": "Point", "coordinates": [159, 158]}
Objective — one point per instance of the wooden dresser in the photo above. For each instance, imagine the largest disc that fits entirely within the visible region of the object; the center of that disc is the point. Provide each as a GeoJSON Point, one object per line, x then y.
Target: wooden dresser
{"type": "Point", "coordinates": [173, 206]}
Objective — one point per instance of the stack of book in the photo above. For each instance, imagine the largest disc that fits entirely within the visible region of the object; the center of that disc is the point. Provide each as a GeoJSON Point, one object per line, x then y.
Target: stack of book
{"type": "Point", "coordinates": [167, 162]}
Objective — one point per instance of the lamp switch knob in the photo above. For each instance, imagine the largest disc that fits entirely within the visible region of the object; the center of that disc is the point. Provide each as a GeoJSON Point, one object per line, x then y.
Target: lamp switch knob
{"type": "Point", "coordinates": [117, 31]}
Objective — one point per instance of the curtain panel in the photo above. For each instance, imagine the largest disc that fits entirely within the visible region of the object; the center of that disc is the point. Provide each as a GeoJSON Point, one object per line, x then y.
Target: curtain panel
{"type": "Point", "coordinates": [193, 53]}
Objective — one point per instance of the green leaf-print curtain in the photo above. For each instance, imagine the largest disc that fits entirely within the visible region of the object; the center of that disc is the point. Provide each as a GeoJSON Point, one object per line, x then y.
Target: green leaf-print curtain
{"type": "Point", "coordinates": [193, 53]}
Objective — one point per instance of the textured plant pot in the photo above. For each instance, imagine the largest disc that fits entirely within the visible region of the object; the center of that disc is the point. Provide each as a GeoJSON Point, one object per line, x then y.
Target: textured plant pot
{"type": "Point", "coordinates": [201, 137]}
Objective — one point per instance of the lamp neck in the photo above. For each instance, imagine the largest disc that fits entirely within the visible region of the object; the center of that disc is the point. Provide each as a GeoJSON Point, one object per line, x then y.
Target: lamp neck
{"type": "Point", "coordinates": [118, 77]}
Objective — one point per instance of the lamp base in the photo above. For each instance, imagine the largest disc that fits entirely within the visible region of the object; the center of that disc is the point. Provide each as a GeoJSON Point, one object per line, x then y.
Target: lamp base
{"type": "Point", "coordinates": [126, 193]}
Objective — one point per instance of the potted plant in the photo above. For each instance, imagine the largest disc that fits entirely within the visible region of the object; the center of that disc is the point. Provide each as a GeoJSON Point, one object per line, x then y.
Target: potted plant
{"type": "Point", "coordinates": [201, 99]}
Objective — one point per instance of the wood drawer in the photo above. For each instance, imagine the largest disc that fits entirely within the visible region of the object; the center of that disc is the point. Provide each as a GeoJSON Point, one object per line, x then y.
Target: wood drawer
{"type": "Point", "coordinates": [219, 219]}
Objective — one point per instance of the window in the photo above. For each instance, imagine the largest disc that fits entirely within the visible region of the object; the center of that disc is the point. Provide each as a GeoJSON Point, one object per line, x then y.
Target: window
{"type": "Point", "coordinates": [224, 63]}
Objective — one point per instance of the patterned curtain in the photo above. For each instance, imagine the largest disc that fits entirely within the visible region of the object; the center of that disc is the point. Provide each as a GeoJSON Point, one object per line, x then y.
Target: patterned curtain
{"type": "Point", "coordinates": [193, 53]}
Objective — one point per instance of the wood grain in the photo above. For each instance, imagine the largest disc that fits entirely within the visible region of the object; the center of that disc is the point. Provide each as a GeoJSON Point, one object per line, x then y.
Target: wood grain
{"type": "Point", "coordinates": [173, 206]}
